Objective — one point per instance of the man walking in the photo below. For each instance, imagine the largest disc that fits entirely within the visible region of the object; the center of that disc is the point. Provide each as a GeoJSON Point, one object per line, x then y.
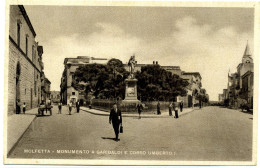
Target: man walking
{"type": "Point", "coordinates": [116, 118]}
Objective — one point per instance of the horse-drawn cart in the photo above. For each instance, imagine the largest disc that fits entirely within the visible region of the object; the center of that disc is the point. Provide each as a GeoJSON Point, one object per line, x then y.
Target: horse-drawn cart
{"type": "Point", "coordinates": [43, 108]}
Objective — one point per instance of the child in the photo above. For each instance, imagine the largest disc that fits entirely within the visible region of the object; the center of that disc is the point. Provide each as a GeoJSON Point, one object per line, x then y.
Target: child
{"type": "Point", "coordinates": [24, 107]}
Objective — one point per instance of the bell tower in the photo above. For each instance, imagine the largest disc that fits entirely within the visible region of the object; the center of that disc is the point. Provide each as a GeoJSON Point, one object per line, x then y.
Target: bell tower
{"type": "Point", "coordinates": [247, 55]}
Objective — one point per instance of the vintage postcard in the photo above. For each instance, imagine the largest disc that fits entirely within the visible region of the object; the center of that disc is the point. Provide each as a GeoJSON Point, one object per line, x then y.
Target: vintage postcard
{"type": "Point", "coordinates": [131, 83]}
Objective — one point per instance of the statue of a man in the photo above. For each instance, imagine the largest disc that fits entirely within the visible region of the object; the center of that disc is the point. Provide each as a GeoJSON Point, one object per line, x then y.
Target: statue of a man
{"type": "Point", "coordinates": [131, 64]}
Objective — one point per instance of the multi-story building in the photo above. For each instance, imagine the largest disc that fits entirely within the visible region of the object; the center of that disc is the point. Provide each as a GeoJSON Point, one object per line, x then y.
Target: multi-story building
{"type": "Point", "coordinates": [25, 61]}
{"type": "Point", "coordinates": [240, 84]}
{"type": "Point", "coordinates": [193, 88]}
{"type": "Point", "coordinates": [173, 69]}
{"type": "Point", "coordinates": [69, 93]}
{"type": "Point", "coordinates": [45, 89]}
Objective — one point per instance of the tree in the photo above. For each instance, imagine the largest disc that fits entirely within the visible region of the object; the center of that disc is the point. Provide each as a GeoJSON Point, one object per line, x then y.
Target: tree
{"type": "Point", "coordinates": [155, 83]}
{"type": "Point", "coordinates": [103, 81]}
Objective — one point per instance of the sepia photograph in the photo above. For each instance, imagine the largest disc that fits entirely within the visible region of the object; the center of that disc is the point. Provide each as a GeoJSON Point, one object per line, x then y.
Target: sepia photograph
{"type": "Point", "coordinates": [131, 83]}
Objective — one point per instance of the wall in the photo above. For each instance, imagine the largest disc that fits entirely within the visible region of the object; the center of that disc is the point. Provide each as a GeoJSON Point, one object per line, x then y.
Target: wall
{"type": "Point", "coordinates": [29, 71]}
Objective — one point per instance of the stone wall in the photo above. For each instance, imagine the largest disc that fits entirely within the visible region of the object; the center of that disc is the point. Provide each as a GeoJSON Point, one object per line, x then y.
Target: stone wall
{"type": "Point", "coordinates": [28, 75]}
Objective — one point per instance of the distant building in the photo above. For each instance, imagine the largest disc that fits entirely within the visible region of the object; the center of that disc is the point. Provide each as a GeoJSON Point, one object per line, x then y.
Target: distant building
{"type": "Point", "coordinates": [55, 96]}
{"type": "Point", "coordinates": [68, 93]}
{"type": "Point", "coordinates": [25, 61]}
{"type": "Point", "coordinates": [221, 98]}
{"type": "Point", "coordinates": [45, 89]}
{"type": "Point", "coordinates": [193, 88]}
{"type": "Point", "coordinates": [173, 69]}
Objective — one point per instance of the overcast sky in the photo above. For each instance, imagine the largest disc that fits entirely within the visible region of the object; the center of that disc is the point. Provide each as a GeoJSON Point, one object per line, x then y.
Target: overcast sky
{"type": "Point", "coordinates": [206, 40]}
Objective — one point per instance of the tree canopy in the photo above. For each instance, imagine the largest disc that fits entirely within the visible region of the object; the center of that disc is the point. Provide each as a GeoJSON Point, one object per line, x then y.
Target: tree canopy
{"type": "Point", "coordinates": [155, 83]}
{"type": "Point", "coordinates": [108, 81]}
{"type": "Point", "coordinates": [101, 81]}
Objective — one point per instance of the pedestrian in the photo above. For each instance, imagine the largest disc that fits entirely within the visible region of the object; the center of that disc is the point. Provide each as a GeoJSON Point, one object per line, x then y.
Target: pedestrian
{"type": "Point", "coordinates": [158, 108]}
{"type": "Point", "coordinates": [170, 109]}
{"type": "Point", "coordinates": [181, 106]}
{"type": "Point", "coordinates": [70, 107]}
{"type": "Point", "coordinates": [18, 108]}
{"type": "Point", "coordinates": [139, 109]}
{"type": "Point", "coordinates": [116, 118]}
{"type": "Point", "coordinates": [78, 106]}
{"type": "Point", "coordinates": [24, 107]}
{"type": "Point", "coordinates": [175, 107]}
{"type": "Point", "coordinates": [59, 106]}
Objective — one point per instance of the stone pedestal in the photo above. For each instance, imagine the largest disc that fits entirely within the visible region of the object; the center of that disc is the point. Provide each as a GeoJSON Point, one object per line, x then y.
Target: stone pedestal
{"type": "Point", "coordinates": [131, 90]}
{"type": "Point", "coordinates": [130, 101]}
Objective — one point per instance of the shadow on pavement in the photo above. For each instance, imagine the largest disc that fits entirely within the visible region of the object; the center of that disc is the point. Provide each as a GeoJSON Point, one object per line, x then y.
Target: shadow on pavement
{"type": "Point", "coordinates": [108, 138]}
{"type": "Point", "coordinates": [42, 115]}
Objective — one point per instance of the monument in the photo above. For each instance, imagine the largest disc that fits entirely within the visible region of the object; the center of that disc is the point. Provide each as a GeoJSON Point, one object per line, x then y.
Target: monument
{"type": "Point", "coordinates": [130, 101]}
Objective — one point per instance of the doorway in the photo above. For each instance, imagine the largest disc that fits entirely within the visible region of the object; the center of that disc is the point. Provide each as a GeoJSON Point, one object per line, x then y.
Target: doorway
{"type": "Point", "coordinates": [17, 89]}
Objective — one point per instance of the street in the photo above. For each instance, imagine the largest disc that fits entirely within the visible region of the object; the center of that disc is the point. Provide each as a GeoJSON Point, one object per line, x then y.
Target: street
{"type": "Point", "coordinates": [208, 134]}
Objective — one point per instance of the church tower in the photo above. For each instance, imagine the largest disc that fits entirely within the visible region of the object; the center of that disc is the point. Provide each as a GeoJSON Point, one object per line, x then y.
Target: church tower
{"type": "Point", "coordinates": [247, 55]}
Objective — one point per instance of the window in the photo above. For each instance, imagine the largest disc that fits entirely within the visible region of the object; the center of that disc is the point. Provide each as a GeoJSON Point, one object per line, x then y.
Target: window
{"type": "Point", "coordinates": [33, 53]}
{"type": "Point", "coordinates": [18, 34]}
{"type": "Point", "coordinates": [35, 92]}
{"type": "Point", "coordinates": [73, 93]}
{"type": "Point", "coordinates": [26, 45]}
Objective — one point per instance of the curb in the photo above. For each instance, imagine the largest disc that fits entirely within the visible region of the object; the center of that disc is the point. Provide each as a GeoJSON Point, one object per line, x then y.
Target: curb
{"type": "Point", "coordinates": [15, 144]}
{"type": "Point", "coordinates": [134, 115]}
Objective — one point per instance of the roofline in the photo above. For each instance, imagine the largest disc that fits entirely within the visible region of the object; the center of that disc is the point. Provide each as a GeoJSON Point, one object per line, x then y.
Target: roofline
{"type": "Point", "coordinates": [22, 9]}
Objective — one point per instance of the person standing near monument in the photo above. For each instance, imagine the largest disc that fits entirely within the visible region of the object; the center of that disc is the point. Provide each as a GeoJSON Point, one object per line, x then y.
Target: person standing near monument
{"type": "Point", "coordinates": [116, 118]}
{"type": "Point", "coordinates": [175, 107]}
{"type": "Point", "coordinates": [78, 106]}
{"type": "Point", "coordinates": [181, 106]}
{"type": "Point", "coordinates": [170, 109]}
{"type": "Point", "coordinates": [139, 109]}
{"type": "Point", "coordinates": [158, 108]}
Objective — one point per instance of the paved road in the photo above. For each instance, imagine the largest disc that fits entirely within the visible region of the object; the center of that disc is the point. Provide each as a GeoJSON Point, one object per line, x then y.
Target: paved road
{"type": "Point", "coordinates": [212, 133]}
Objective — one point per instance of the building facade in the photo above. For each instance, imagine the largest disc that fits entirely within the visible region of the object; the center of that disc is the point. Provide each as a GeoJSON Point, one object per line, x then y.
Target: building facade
{"type": "Point", "coordinates": [25, 62]}
{"type": "Point", "coordinates": [240, 86]}
{"type": "Point", "coordinates": [68, 92]}
{"type": "Point", "coordinates": [193, 89]}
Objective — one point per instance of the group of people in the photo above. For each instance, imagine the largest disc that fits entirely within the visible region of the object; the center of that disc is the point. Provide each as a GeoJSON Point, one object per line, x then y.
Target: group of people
{"type": "Point", "coordinates": [18, 107]}
{"type": "Point", "coordinates": [70, 106]}
{"type": "Point", "coordinates": [174, 106]}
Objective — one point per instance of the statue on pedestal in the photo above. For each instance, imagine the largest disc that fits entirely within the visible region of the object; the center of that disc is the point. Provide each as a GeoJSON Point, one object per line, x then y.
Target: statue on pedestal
{"type": "Point", "coordinates": [131, 64]}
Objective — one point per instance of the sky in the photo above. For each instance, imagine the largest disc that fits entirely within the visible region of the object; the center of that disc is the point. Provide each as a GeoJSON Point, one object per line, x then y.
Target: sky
{"type": "Point", "coordinates": [206, 40]}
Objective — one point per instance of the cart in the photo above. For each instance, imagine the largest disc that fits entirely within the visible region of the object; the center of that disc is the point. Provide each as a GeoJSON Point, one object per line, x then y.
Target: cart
{"type": "Point", "coordinates": [43, 108]}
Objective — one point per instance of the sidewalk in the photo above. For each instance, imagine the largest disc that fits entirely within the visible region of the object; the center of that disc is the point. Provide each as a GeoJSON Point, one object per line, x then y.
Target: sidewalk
{"type": "Point", "coordinates": [165, 113]}
{"type": "Point", "coordinates": [17, 124]}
